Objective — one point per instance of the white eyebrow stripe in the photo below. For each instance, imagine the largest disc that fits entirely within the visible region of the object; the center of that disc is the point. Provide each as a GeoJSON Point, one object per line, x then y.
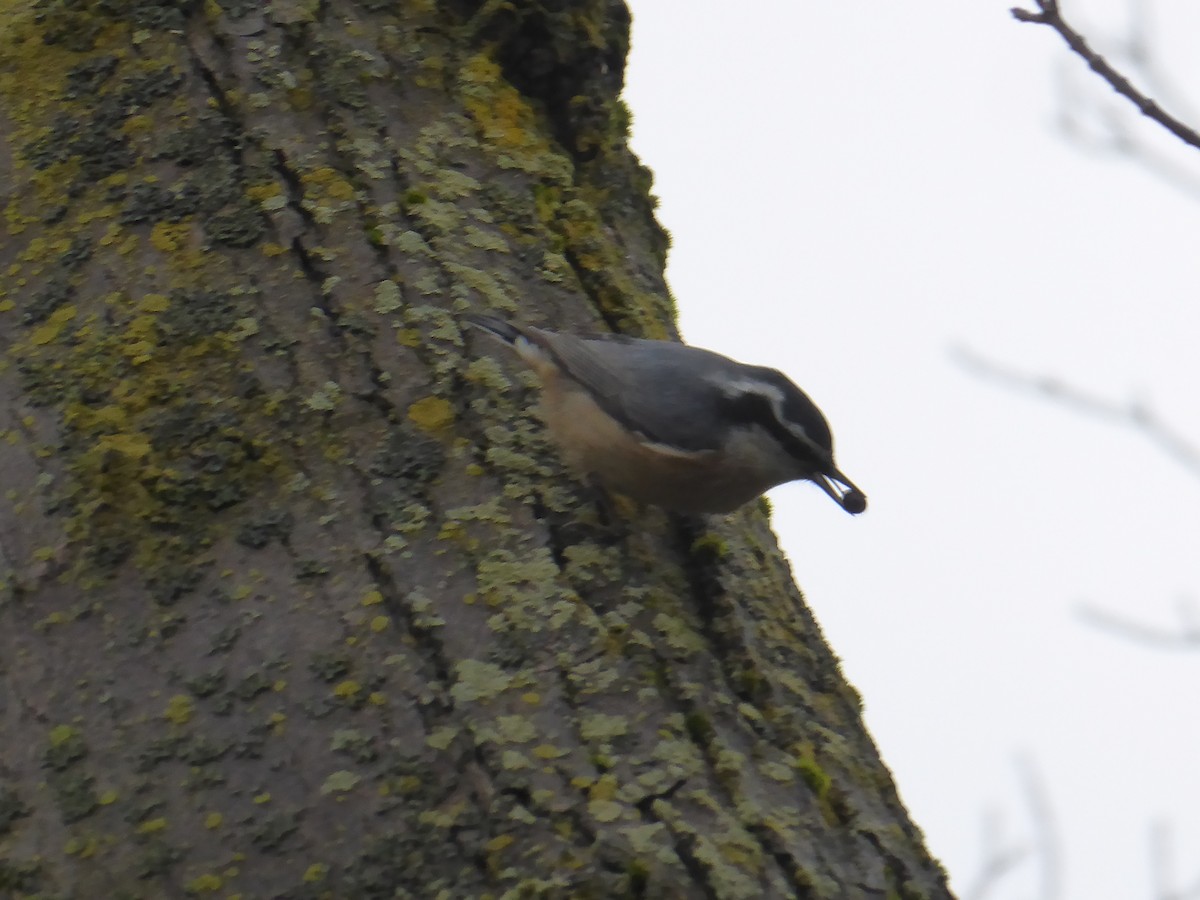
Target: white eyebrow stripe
{"type": "Point", "coordinates": [735, 387]}
{"type": "Point", "coordinates": [739, 387]}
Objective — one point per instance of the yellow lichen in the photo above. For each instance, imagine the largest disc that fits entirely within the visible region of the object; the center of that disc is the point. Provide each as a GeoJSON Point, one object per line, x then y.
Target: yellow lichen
{"type": "Point", "coordinates": [347, 689]}
{"type": "Point", "coordinates": [49, 332]}
{"type": "Point", "coordinates": [431, 414]}
{"type": "Point", "coordinates": [205, 884]}
{"type": "Point", "coordinates": [167, 237]}
{"type": "Point", "coordinates": [499, 842]}
{"type": "Point", "coordinates": [61, 734]}
{"type": "Point", "coordinates": [316, 872]}
{"type": "Point", "coordinates": [180, 709]}
{"type": "Point", "coordinates": [152, 826]}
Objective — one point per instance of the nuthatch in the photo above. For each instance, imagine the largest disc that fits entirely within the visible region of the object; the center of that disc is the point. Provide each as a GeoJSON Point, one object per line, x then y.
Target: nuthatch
{"type": "Point", "coordinates": [676, 426]}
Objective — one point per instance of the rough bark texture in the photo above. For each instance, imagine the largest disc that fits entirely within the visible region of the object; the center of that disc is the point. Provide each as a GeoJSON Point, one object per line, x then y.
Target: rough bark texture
{"type": "Point", "coordinates": [295, 600]}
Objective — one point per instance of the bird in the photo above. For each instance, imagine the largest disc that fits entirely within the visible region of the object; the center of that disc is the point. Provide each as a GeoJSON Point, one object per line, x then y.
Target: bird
{"type": "Point", "coordinates": [675, 426]}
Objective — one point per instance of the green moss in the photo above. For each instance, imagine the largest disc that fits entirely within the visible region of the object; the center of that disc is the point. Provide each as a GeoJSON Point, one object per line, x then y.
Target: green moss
{"type": "Point", "coordinates": [157, 424]}
{"type": "Point", "coordinates": [75, 794]}
{"type": "Point", "coordinates": [355, 744]}
{"type": "Point", "coordinates": [156, 859]}
{"type": "Point", "coordinates": [330, 666]}
{"type": "Point", "coordinates": [710, 546]}
{"type": "Point", "coordinates": [21, 876]}
{"type": "Point", "coordinates": [198, 750]}
{"type": "Point", "coordinates": [311, 568]}
{"type": "Point", "coordinates": [66, 748]}
{"type": "Point", "coordinates": [252, 685]}
{"type": "Point", "coordinates": [12, 809]}
{"type": "Point", "coordinates": [264, 527]}
{"type": "Point", "coordinates": [699, 728]}
{"type": "Point", "coordinates": [145, 447]}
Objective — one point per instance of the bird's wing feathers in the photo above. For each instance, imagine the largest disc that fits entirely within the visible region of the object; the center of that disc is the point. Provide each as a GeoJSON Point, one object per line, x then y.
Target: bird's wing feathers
{"type": "Point", "coordinates": [626, 377]}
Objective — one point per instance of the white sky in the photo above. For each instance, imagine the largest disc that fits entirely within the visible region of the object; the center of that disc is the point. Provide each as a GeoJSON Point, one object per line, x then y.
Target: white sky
{"type": "Point", "coordinates": [855, 187]}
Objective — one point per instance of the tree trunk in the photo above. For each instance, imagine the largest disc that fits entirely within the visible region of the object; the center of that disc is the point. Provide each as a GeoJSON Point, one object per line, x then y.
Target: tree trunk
{"type": "Point", "coordinates": [295, 599]}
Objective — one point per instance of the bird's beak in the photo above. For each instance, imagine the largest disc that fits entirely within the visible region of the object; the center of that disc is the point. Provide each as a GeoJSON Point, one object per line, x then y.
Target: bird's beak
{"type": "Point", "coordinates": [843, 491]}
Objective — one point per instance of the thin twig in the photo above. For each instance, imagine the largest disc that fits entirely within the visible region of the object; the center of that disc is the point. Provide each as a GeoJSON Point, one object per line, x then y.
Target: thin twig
{"type": "Point", "coordinates": [1102, 126]}
{"type": "Point", "coordinates": [1134, 414]}
{"type": "Point", "coordinates": [1048, 14]}
{"type": "Point", "coordinates": [1161, 859]}
{"type": "Point", "coordinates": [1049, 847]}
{"type": "Point", "coordinates": [1184, 637]}
{"type": "Point", "coordinates": [998, 862]}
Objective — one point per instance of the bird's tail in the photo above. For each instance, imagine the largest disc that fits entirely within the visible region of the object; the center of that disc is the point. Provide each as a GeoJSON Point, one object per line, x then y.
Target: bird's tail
{"type": "Point", "coordinates": [532, 345]}
{"type": "Point", "coordinates": [494, 326]}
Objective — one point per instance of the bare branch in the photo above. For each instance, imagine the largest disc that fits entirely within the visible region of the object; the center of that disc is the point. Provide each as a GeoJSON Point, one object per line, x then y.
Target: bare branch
{"type": "Point", "coordinates": [1046, 827]}
{"type": "Point", "coordinates": [999, 859]}
{"type": "Point", "coordinates": [1186, 636]}
{"type": "Point", "coordinates": [1143, 55]}
{"type": "Point", "coordinates": [1104, 125]}
{"type": "Point", "coordinates": [1048, 14]}
{"type": "Point", "coordinates": [1134, 414]}
{"type": "Point", "coordinates": [1161, 859]}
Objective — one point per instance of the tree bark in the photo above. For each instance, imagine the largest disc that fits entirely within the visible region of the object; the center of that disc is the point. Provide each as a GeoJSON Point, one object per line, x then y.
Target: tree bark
{"type": "Point", "coordinates": [295, 599]}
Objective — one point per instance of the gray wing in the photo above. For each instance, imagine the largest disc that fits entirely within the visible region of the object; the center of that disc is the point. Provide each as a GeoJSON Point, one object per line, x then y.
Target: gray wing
{"type": "Point", "coordinates": [647, 385]}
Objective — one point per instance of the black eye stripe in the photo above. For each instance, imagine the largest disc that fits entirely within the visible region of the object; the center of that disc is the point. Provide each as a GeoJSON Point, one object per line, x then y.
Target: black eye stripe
{"type": "Point", "coordinates": [753, 408]}
{"type": "Point", "coordinates": [770, 400]}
